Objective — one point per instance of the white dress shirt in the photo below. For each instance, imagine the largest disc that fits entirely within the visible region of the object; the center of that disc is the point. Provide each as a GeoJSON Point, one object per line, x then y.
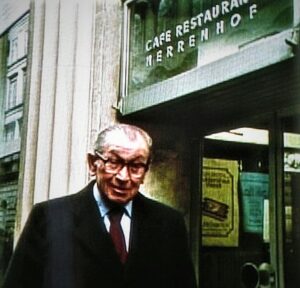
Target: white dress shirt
{"type": "Point", "coordinates": [104, 210]}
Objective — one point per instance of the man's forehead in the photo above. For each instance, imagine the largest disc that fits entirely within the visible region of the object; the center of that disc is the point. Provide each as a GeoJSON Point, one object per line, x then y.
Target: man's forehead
{"type": "Point", "coordinates": [118, 139]}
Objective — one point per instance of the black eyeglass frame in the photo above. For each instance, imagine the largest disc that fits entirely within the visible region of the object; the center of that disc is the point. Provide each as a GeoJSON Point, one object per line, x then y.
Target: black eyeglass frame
{"type": "Point", "coordinates": [130, 165]}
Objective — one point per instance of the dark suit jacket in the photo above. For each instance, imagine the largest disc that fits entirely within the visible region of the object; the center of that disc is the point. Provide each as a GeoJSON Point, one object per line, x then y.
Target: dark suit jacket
{"type": "Point", "coordinates": [65, 245]}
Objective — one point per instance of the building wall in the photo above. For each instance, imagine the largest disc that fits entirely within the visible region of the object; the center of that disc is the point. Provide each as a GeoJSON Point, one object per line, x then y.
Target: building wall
{"type": "Point", "coordinates": [11, 11]}
{"type": "Point", "coordinates": [13, 65]}
{"type": "Point", "coordinates": [106, 66]}
{"type": "Point", "coordinates": [72, 93]}
{"type": "Point", "coordinates": [58, 102]}
{"type": "Point", "coordinates": [3, 71]}
{"type": "Point", "coordinates": [169, 177]}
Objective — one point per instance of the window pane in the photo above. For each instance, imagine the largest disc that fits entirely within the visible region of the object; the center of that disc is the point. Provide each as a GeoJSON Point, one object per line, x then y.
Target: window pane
{"type": "Point", "coordinates": [9, 132]}
{"type": "Point", "coordinates": [14, 50]}
{"type": "Point", "coordinates": [169, 37]}
{"type": "Point", "coordinates": [12, 93]}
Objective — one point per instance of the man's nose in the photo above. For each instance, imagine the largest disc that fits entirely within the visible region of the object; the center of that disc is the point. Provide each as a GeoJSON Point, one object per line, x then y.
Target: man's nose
{"type": "Point", "coordinates": [123, 174]}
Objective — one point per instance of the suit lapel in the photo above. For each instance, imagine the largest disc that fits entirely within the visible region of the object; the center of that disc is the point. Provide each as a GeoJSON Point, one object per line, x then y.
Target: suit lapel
{"type": "Point", "coordinates": [89, 228]}
{"type": "Point", "coordinates": [136, 225]}
{"type": "Point", "coordinates": [140, 232]}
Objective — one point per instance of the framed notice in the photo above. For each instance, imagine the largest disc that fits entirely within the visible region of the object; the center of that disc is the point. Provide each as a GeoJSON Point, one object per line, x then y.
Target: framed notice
{"type": "Point", "coordinates": [254, 191]}
{"type": "Point", "coordinates": [220, 209]}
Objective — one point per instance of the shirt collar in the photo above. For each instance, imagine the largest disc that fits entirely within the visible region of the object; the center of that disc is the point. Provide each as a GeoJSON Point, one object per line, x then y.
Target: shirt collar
{"type": "Point", "coordinates": [104, 209]}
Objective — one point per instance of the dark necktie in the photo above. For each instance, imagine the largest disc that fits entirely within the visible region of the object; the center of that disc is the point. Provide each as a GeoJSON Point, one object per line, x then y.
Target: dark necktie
{"type": "Point", "coordinates": [116, 232]}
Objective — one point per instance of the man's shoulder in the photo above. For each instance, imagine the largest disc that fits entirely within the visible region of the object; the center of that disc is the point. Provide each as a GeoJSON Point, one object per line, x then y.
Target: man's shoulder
{"type": "Point", "coordinates": [68, 200]}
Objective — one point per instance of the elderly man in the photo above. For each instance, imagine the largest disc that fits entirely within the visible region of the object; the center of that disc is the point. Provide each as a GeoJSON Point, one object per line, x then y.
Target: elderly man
{"type": "Point", "coordinates": [108, 234]}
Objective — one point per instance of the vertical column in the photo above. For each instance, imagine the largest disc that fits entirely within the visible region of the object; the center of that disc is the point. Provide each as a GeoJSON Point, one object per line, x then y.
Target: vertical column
{"type": "Point", "coordinates": [31, 116]}
{"type": "Point", "coordinates": [58, 102]}
{"type": "Point", "coordinates": [106, 64]}
{"type": "Point", "coordinates": [81, 96]}
{"type": "Point", "coordinates": [47, 105]}
{"type": "Point", "coordinates": [72, 98]}
{"type": "Point", "coordinates": [62, 126]}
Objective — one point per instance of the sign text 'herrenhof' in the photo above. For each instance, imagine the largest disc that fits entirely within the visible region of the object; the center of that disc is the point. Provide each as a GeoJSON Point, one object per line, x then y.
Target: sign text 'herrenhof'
{"type": "Point", "coordinates": [191, 32]}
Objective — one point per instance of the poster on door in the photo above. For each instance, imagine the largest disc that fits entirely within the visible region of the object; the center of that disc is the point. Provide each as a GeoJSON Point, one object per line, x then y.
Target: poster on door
{"type": "Point", "coordinates": [220, 208]}
{"type": "Point", "coordinates": [254, 193]}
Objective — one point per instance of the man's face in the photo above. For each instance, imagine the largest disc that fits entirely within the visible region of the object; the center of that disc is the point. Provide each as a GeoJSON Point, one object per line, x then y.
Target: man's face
{"type": "Point", "coordinates": [120, 187]}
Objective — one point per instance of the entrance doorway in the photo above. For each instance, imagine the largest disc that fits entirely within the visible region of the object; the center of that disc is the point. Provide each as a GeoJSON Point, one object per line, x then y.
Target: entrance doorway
{"type": "Point", "coordinates": [291, 200]}
{"type": "Point", "coordinates": [250, 205]}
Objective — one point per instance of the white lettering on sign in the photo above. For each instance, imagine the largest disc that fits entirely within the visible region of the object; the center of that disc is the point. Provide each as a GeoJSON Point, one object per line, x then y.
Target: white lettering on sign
{"type": "Point", "coordinates": [158, 41]}
{"type": "Point", "coordinates": [235, 20]}
{"type": "Point", "coordinates": [198, 29]}
{"type": "Point", "coordinates": [192, 41]}
{"type": "Point", "coordinates": [220, 27]}
{"type": "Point", "coordinates": [252, 10]}
{"type": "Point", "coordinates": [204, 35]}
{"type": "Point", "coordinates": [180, 46]}
{"type": "Point", "coordinates": [170, 51]}
{"type": "Point", "coordinates": [159, 56]}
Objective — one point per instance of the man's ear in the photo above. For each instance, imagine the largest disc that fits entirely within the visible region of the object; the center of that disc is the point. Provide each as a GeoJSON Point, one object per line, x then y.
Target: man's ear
{"type": "Point", "coordinates": [91, 160]}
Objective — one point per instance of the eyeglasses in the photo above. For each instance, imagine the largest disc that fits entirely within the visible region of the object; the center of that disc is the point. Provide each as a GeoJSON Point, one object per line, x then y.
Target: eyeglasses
{"type": "Point", "coordinates": [114, 166]}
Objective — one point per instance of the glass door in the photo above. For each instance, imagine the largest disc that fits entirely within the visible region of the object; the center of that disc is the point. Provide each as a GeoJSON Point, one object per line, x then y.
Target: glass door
{"type": "Point", "coordinates": [235, 223]}
{"type": "Point", "coordinates": [250, 206]}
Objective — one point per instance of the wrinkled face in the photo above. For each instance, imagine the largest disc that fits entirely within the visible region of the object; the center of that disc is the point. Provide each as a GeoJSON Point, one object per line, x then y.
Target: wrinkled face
{"type": "Point", "coordinates": [121, 186]}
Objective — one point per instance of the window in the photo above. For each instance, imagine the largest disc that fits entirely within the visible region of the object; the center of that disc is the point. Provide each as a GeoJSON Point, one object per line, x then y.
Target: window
{"type": "Point", "coordinates": [168, 37]}
{"type": "Point", "coordinates": [25, 35]}
{"type": "Point", "coordinates": [9, 132]}
{"type": "Point", "coordinates": [20, 126]}
{"type": "Point", "coordinates": [11, 100]}
{"type": "Point", "coordinates": [14, 50]}
{"type": "Point", "coordinates": [24, 85]}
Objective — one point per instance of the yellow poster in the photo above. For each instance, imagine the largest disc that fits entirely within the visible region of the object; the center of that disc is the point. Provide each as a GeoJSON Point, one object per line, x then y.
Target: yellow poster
{"type": "Point", "coordinates": [220, 209]}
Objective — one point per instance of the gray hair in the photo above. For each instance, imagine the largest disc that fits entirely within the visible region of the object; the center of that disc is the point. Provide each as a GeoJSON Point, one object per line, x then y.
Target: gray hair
{"type": "Point", "coordinates": [131, 131]}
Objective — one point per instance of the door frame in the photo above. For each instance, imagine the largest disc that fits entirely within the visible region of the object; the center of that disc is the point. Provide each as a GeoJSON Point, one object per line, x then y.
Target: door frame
{"type": "Point", "coordinates": [276, 175]}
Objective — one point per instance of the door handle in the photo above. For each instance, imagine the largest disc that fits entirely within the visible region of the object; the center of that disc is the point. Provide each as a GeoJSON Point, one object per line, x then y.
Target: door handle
{"type": "Point", "coordinates": [257, 277]}
{"type": "Point", "coordinates": [266, 275]}
{"type": "Point", "coordinates": [250, 275]}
